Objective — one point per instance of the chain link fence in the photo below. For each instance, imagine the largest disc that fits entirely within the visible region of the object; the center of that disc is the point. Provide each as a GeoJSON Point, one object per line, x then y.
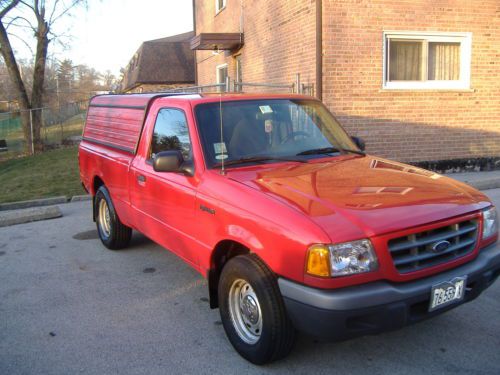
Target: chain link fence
{"type": "Point", "coordinates": [61, 126]}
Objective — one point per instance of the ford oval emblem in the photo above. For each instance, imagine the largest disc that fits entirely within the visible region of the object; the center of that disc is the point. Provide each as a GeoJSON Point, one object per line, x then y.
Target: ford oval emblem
{"type": "Point", "coordinates": [440, 246]}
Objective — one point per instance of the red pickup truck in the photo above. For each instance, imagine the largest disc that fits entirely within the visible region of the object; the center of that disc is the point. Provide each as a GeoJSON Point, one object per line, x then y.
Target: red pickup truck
{"type": "Point", "coordinates": [293, 225]}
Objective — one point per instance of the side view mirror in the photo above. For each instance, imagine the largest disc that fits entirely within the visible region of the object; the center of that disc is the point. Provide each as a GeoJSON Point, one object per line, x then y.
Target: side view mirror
{"type": "Point", "coordinates": [172, 161]}
{"type": "Point", "coordinates": [359, 142]}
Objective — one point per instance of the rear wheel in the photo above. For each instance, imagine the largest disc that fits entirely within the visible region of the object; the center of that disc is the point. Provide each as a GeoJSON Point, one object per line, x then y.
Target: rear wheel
{"type": "Point", "coordinates": [113, 234]}
{"type": "Point", "coordinates": [252, 311]}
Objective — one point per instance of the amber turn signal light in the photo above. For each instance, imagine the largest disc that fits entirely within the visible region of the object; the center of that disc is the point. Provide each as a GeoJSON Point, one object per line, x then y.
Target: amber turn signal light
{"type": "Point", "coordinates": [318, 261]}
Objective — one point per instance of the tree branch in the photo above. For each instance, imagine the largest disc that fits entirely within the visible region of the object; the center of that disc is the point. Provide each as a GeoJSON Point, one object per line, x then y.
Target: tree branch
{"type": "Point", "coordinates": [53, 11]}
{"type": "Point", "coordinates": [8, 8]}
{"type": "Point", "coordinates": [66, 10]}
{"type": "Point", "coordinates": [23, 41]}
{"type": "Point", "coordinates": [17, 25]}
{"type": "Point", "coordinates": [35, 8]}
{"type": "Point", "coordinates": [26, 4]}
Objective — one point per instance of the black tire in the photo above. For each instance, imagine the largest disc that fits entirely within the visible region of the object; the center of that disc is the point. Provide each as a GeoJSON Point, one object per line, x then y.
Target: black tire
{"type": "Point", "coordinates": [114, 235]}
{"type": "Point", "coordinates": [277, 336]}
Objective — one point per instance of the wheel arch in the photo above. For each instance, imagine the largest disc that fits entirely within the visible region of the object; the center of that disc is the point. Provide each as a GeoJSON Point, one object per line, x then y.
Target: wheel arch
{"type": "Point", "coordinates": [222, 252]}
{"type": "Point", "coordinates": [97, 182]}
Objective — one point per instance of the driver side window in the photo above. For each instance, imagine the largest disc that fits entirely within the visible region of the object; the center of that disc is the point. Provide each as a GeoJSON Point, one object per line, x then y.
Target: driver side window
{"type": "Point", "coordinates": [171, 133]}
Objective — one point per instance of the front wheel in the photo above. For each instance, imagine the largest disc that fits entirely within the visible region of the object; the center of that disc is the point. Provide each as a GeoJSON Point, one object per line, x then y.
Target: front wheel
{"type": "Point", "coordinates": [112, 232]}
{"type": "Point", "coordinates": [252, 311]}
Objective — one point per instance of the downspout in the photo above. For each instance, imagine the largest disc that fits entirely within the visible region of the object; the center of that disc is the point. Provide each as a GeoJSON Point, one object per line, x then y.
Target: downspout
{"type": "Point", "coordinates": [319, 49]}
{"type": "Point", "coordinates": [195, 54]}
{"type": "Point", "coordinates": [241, 18]}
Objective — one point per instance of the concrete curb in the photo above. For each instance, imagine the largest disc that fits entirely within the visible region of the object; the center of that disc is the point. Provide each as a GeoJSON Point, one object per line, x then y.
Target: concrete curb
{"type": "Point", "coordinates": [27, 215]}
{"type": "Point", "coordinates": [33, 203]}
{"type": "Point", "coordinates": [81, 198]}
{"type": "Point", "coordinates": [493, 183]}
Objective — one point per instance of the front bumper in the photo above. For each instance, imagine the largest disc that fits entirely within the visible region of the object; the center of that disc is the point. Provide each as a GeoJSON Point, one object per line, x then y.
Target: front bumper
{"type": "Point", "coordinates": [380, 306]}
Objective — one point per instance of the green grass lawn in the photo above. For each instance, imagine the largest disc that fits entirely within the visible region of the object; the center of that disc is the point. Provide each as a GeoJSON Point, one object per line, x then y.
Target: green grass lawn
{"type": "Point", "coordinates": [40, 176]}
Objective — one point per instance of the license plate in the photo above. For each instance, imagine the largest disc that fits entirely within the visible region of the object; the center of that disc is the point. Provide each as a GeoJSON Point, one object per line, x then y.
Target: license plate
{"type": "Point", "coordinates": [448, 292]}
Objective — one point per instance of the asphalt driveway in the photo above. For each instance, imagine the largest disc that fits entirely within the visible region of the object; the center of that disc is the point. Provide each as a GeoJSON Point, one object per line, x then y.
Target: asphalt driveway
{"type": "Point", "coordinates": [68, 305]}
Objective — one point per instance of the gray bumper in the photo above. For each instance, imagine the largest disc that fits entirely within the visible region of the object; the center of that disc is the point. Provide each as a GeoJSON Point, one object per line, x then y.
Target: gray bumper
{"type": "Point", "coordinates": [380, 305]}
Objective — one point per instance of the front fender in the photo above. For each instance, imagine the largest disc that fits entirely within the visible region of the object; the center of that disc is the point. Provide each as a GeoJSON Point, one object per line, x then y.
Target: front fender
{"type": "Point", "coordinates": [280, 237]}
{"type": "Point", "coordinates": [242, 235]}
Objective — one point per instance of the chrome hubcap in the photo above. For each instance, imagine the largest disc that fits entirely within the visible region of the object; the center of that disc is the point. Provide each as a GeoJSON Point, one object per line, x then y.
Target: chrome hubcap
{"type": "Point", "coordinates": [245, 311]}
{"type": "Point", "coordinates": [104, 218]}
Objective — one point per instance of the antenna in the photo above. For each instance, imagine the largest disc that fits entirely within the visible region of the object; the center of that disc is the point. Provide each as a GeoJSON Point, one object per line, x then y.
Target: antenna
{"type": "Point", "coordinates": [222, 170]}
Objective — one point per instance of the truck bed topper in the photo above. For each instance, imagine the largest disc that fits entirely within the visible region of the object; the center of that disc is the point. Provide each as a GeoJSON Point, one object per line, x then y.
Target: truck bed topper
{"type": "Point", "coordinates": [116, 120]}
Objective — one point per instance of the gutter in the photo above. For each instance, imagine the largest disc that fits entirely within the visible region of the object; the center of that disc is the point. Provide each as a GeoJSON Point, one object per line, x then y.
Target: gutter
{"type": "Point", "coordinates": [195, 57]}
{"type": "Point", "coordinates": [319, 49]}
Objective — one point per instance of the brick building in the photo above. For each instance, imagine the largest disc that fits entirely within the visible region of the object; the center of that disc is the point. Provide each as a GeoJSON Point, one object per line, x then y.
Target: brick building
{"type": "Point", "coordinates": [160, 64]}
{"type": "Point", "coordinates": [417, 79]}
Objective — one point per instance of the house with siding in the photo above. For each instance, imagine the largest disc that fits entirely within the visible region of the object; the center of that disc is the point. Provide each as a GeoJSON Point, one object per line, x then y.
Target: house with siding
{"type": "Point", "coordinates": [418, 80]}
{"type": "Point", "coordinates": [160, 64]}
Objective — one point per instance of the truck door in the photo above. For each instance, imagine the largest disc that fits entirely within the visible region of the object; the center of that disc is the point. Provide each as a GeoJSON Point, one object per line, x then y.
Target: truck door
{"type": "Point", "coordinates": [164, 201]}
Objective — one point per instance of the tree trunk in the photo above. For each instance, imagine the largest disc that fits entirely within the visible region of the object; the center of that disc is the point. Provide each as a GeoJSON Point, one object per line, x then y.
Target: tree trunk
{"type": "Point", "coordinates": [15, 75]}
{"type": "Point", "coordinates": [38, 80]}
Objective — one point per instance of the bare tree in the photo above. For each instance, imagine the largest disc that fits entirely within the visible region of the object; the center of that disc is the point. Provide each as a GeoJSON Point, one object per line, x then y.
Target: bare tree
{"type": "Point", "coordinates": [109, 80]}
{"type": "Point", "coordinates": [41, 21]}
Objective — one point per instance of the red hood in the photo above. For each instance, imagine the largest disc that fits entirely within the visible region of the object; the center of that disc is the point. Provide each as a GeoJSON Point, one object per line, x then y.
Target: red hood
{"type": "Point", "coordinates": [364, 196]}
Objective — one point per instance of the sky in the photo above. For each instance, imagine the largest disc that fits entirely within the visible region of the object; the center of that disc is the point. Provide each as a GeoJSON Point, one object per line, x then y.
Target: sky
{"type": "Point", "coordinates": [106, 35]}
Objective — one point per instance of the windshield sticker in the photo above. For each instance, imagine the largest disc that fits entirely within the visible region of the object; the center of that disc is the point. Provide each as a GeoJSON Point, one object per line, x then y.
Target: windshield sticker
{"type": "Point", "coordinates": [220, 148]}
{"type": "Point", "coordinates": [221, 156]}
{"type": "Point", "coordinates": [265, 109]}
{"type": "Point", "coordinates": [268, 126]}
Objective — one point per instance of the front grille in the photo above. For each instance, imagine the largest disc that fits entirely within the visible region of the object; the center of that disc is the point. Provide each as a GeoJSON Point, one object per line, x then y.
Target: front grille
{"type": "Point", "coordinates": [418, 251]}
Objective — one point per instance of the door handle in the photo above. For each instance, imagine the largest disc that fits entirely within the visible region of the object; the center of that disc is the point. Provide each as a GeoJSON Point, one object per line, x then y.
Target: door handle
{"type": "Point", "coordinates": [141, 179]}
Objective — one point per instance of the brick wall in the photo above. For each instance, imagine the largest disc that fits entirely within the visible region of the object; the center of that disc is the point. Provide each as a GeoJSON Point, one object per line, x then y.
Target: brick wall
{"type": "Point", "coordinates": [412, 125]}
{"type": "Point", "coordinates": [272, 51]}
{"type": "Point", "coordinates": [403, 125]}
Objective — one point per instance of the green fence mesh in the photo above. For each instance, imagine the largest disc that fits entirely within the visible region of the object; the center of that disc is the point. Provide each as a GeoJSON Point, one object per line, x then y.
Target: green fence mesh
{"type": "Point", "coordinates": [60, 126]}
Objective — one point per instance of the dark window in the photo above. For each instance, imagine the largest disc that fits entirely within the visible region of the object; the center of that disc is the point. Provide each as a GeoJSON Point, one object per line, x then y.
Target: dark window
{"type": "Point", "coordinates": [219, 5]}
{"type": "Point", "coordinates": [171, 133]}
{"type": "Point", "coordinates": [239, 74]}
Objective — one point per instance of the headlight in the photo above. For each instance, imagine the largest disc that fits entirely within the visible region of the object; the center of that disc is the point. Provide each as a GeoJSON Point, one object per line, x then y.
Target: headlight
{"type": "Point", "coordinates": [341, 259]}
{"type": "Point", "coordinates": [490, 222]}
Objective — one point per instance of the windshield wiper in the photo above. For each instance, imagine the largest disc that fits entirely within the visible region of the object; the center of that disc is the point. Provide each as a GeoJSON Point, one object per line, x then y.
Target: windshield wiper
{"type": "Point", "coordinates": [329, 150]}
{"type": "Point", "coordinates": [258, 159]}
{"type": "Point", "coordinates": [348, 150]}
{"type": "Point", "coordinates": [318, 151]}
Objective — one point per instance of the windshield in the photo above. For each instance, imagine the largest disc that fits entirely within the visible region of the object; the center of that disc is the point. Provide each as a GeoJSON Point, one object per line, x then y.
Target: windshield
{"type": "Point", "coordinates": [254, 131]}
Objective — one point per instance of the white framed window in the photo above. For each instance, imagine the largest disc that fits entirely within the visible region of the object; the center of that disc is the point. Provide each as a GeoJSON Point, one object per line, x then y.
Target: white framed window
{"type": "Point", "coordinates": [219, 5]}
{"type": "Point", "coordinates": [426, 60]}
{"type": "Point", "coordinates": [221, 72]}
